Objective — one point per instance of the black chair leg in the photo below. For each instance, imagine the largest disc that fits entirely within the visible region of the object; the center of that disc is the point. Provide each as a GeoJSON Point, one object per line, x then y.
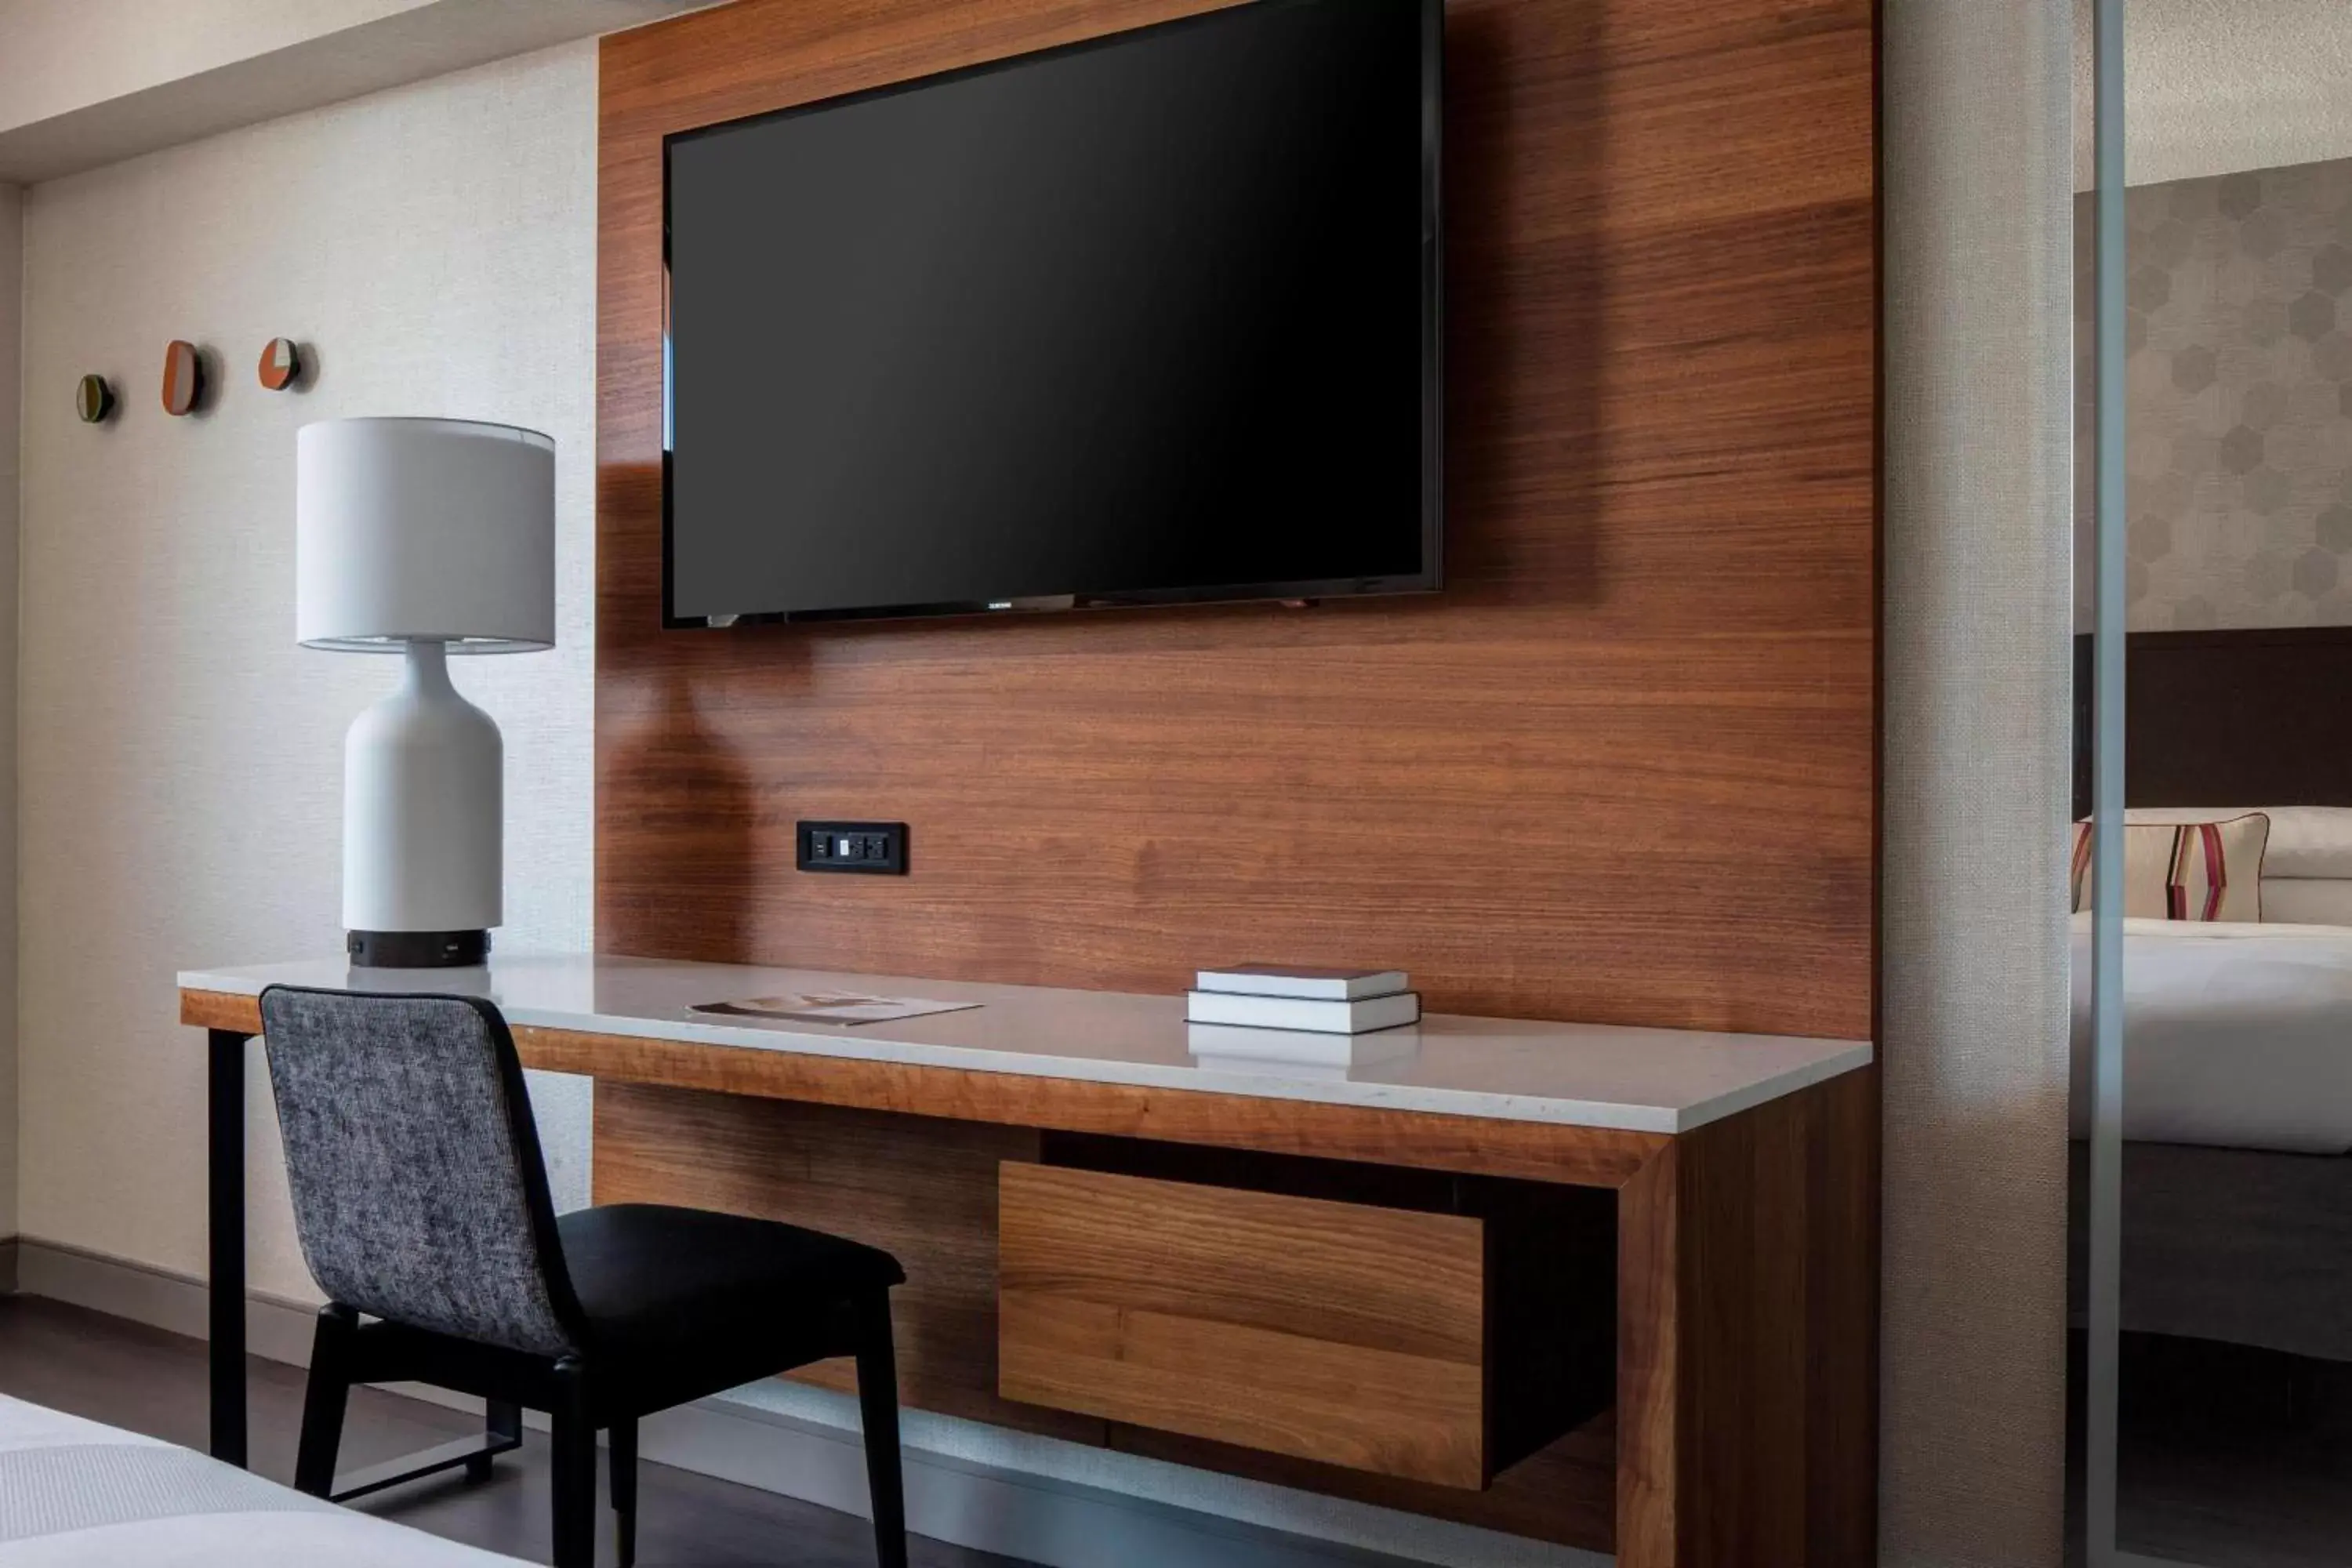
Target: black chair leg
{"type": "Point", "coordinates": [624, 1445]}
{"type": "Point", "coordinates": [877, 1405]}
{"type": "Point", "coordinates": [501, 1423]}
{"type": "Point", "coordinates": [324, 1397]}
{"type": "Point", "coordinates": [573, 1470]}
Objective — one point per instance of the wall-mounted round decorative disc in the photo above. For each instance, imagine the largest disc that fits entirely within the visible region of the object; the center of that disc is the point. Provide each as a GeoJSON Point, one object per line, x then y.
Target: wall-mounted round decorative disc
{"type": "Point", "coordinates": [184, 376]}
{"type": "Point", "coordinates": [281, 361]}
{"type": "Point", "coordinates": [93, 399]}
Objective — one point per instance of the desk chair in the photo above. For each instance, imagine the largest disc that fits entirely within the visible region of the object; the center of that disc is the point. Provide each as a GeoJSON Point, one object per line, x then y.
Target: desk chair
{"type": "Point", "coordinates": [421, 1202]}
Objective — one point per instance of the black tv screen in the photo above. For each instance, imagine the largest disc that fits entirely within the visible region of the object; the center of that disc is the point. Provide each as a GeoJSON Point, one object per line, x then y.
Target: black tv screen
{"type": "Point", "coordinates": [1152, 317]}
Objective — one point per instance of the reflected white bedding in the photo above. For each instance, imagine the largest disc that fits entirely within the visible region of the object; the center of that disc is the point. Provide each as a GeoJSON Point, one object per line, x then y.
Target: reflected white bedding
{"type": "Point", "coordinates": [2235, 1034]}
{"type": "Point", "coordinates": [75, 1494]}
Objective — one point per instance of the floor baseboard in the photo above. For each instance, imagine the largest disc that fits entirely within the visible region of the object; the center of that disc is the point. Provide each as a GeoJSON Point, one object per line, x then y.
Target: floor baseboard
{"type": "Point", "coordinates": [804, 1442]}
{"type": "Point", "coordinates": [274, 1327]}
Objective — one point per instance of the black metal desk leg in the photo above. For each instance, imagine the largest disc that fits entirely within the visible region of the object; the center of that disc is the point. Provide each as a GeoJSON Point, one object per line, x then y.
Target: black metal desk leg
{"type": "Point", "coordinates": [225, 1177]}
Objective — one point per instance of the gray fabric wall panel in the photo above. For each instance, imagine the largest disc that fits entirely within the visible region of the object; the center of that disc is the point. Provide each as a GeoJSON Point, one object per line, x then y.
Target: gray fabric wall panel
{"type": "Point", "coordinates": [1974, 989]}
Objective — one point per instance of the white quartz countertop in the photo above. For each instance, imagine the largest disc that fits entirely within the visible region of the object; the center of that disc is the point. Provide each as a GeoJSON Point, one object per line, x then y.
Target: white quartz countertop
{"type": "Point", "coordinates": [1586, 1075]}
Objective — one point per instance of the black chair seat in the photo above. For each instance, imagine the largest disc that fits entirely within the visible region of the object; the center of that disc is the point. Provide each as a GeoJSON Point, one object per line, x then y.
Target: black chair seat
{"type": "Point", "coordinates": [684, 1302]}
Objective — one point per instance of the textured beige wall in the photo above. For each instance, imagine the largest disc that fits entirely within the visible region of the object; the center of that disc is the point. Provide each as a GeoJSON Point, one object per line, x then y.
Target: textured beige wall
{"type": "Point", "coordinates": [181, 756]}
{"type": "Point", "coordinates": [2239, 400]}
{"type": "Point", "coordinates": [1974, 987]}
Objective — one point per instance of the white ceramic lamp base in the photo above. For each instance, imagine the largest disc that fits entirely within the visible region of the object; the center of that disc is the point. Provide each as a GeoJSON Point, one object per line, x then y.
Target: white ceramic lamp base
{"type": "Point", "coordinates": [423, 823]}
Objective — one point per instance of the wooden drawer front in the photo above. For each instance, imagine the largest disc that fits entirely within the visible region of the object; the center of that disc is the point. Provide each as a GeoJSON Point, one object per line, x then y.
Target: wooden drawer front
{"type": "Point", "coordinates": [1328, 1330]}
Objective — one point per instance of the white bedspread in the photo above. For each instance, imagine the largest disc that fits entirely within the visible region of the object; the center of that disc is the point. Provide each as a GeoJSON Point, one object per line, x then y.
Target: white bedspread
{"type": "Point", "coordinates": [74, 1494]}
{"type": "Point", "coordinates": [2239, 1036]}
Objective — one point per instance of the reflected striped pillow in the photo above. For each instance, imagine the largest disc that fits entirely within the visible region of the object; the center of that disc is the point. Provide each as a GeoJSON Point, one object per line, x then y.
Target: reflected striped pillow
{"type": "Point", "coordinates": [2184, 872]}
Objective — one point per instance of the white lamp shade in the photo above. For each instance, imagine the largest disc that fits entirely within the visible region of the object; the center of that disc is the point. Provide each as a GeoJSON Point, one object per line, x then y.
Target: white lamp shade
{"type": "Point", "coordinates": [424, 529]}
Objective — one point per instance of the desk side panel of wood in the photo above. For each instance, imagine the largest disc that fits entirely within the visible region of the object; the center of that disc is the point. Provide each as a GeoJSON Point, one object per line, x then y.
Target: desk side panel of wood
{"type": "Point", "coordinates": [1748, 1303]}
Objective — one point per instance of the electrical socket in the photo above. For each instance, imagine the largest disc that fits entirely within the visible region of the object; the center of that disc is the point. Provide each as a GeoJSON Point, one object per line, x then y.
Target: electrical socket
{"type": "Point", "coordinates": [867, 849]}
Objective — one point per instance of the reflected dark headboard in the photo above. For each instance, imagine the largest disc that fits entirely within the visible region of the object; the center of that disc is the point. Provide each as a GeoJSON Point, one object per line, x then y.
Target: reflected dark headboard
{"type": "Point", "coordinates": [2228, 717]}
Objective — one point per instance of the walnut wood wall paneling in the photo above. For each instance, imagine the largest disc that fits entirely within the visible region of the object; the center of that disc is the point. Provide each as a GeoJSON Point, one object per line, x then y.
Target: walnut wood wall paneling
{"type": "Point", "coordinates": [1622, 770]}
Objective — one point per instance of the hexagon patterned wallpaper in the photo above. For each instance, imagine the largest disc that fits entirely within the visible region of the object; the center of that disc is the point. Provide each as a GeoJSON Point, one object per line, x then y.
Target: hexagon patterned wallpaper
{"type": "Point", "coordinates": [2238, 465]}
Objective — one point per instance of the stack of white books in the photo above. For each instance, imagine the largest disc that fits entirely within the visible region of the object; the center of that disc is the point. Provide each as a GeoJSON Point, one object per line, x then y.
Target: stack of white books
{"type": "Point", "coordinates": [1317, 1001]}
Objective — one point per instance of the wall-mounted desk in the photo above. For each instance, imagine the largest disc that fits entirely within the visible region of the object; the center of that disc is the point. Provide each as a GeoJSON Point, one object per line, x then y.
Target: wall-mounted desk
{"type": "Point", "coordinates": [1392, 1281]}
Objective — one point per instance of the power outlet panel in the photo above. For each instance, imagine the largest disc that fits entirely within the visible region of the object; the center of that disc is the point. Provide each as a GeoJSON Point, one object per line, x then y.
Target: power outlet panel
{"type": "Point", "coordinates": [867, 848]}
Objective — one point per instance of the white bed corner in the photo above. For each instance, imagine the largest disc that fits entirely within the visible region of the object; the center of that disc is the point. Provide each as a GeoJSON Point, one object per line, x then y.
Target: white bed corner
{"type": "Point", "coordinates": [2235, 1034]}
{"type": "Point", "coordinates": [2238, 1035]}
{"type": "Point", "coordinates": [76, 1494]}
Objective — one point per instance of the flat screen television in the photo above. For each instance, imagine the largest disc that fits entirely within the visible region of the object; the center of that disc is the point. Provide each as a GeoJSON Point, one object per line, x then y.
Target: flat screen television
{"type": "Point", "coordinates": [1148, 318]}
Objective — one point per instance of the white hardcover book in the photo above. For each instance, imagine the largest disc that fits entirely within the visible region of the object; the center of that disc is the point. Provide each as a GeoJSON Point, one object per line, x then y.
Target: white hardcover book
{"type": "Point", "coordinates": [1294, 1053]}
{"type": "Point", "coordinates": [1357, 1018]}
{"type": "Point", "coordinates": [1301, 981]}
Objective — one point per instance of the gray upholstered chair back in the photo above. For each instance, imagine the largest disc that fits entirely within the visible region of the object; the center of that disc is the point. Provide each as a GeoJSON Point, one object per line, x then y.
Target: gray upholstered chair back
{"type": "Point", "coordinates": [419, 1191]}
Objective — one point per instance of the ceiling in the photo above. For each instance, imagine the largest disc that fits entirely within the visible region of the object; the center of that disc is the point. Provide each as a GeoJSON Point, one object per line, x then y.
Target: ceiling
{"type": "Point", "coordinates": [2214, 86]}
{"type": "Point", "coordinates": [88, 82]}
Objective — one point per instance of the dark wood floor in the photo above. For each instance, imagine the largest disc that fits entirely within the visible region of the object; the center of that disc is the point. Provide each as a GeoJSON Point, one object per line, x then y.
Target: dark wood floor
{"type": "Point", "coordinates": [2228, 1457]}
{"type": "Point", "coordinates": [129, 1375]}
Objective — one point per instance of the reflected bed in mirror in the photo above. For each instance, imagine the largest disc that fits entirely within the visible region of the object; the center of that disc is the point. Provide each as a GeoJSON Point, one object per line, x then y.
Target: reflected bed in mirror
{"type": "Point", "coordinates": [2238, 1053]}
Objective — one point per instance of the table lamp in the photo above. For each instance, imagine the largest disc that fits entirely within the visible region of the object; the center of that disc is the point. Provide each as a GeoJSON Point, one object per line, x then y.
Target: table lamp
{"type": "Point", "coordinates": [425, 538]}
